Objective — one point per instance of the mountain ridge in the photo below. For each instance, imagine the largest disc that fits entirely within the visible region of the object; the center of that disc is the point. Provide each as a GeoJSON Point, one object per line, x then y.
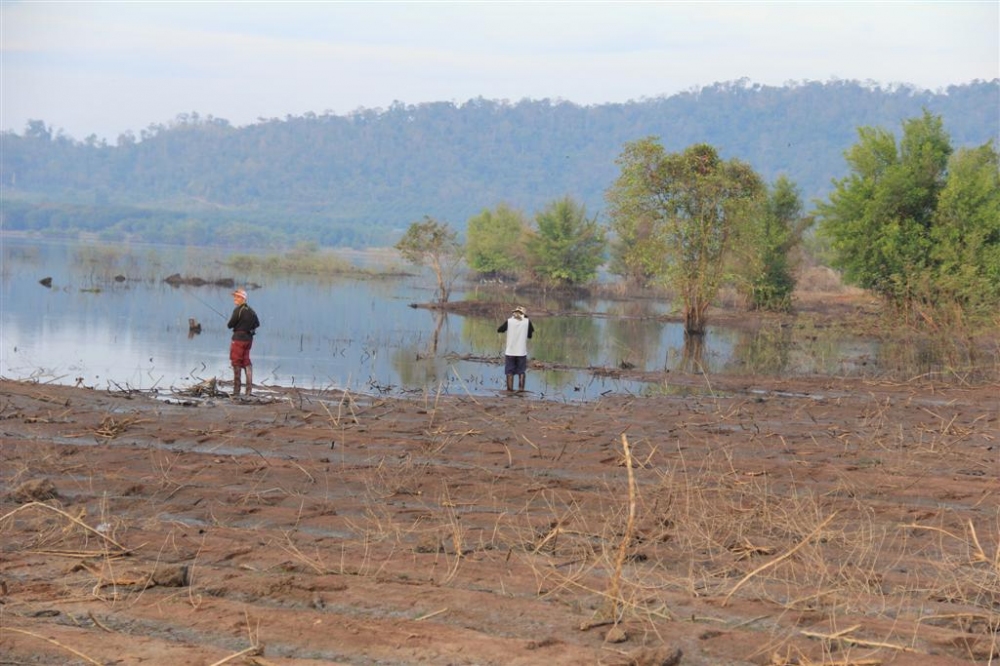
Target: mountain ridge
{"type": "Point", "coordinates": [360, 179]}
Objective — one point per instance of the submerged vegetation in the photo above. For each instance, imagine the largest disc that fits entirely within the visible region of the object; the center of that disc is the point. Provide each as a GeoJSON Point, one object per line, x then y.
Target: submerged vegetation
{"type": "Point", "coordinates": [306, 259]}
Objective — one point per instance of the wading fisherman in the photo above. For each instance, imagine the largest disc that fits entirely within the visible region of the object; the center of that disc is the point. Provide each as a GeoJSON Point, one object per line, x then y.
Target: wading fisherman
{"type": "Point", "coordinates": [518, 329]}
{"type": "Point", "coordinates": [244, 323]}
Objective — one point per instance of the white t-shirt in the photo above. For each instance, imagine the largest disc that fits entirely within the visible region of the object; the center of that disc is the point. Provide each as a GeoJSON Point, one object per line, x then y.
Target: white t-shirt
{"type": "Point", "coordinates": [517, 337]}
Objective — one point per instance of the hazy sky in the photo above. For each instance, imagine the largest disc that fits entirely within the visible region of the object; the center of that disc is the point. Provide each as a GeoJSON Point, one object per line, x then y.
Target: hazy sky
{"type": "Point", "coordinates": [108, 67]}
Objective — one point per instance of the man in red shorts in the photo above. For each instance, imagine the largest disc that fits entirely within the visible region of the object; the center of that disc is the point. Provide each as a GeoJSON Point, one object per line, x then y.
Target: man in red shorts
{"type": "Point", "coordinates": [244, 323]}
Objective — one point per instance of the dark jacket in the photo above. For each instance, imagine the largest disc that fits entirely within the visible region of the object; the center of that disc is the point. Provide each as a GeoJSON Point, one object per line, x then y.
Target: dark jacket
{"type": "Point", "coordinates": [244, 322]}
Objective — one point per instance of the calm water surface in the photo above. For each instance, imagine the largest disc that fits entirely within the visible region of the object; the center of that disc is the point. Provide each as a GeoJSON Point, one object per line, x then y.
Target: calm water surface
{"type": "Point", "coordinates": [356, 334]}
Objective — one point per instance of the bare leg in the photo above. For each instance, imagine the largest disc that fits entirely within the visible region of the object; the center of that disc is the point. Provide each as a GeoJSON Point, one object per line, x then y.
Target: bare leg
{"type": "Point", "coordinates": [237, 375]}
{"type": "Point", "coordinates": [510, 382]}
{"type": "Point", "coordinates": [249, 370]}
{"type": "Point", "coordinates": [520, 382]}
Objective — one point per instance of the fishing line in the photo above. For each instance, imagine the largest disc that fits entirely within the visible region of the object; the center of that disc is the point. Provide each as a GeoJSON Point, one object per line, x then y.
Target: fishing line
{"type": "Point", "coordinates": [205, 303]}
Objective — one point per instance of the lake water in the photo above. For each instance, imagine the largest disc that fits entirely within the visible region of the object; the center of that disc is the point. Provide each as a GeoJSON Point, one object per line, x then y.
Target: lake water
{"type": "Point", "coordinates": [347, 333]}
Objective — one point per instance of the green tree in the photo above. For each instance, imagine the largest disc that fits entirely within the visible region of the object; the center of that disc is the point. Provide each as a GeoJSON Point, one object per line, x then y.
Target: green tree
{"type": "Point", "coordinates": [639, 246]}
{"type": "Point", "coordinates": [879, 218]}
{"type": "Point", "coordinates": [695, 202]}
{"type": "Point", "coordinates": [434, 244]}
{"type": "Point", "coordinates": [966, 233]}
{"type": "Point", "coordinates": [494, 241]}
{"type": "Point", "coordinates": [568, 247]}
{"type": "Point", "coordinates": [767, 245]}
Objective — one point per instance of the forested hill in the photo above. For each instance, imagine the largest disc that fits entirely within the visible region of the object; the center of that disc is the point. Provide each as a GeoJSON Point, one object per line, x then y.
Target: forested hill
{"type": "Point", "coordinates": [362, 178]}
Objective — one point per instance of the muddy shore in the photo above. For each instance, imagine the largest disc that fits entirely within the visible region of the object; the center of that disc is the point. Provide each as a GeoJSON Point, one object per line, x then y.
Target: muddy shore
{"type": "Point", "coordinates": [750, 521]}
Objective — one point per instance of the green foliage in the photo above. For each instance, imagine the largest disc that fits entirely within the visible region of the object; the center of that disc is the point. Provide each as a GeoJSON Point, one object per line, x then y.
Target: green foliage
{"type": "Point", "coordinates": [766, 247]}
{"type": "Point", "coordinates": [966, 233]}
{"type": "Point", "coordinates": [637, 250]}
{"type": "Point", "coordinates": [434, 244]}
{"type": "Point", "coordinates": [567, 247]}
{"type": "Point", "coordinates": [494, 241]}
{"type": "Point", "coordinates": [879, 217]}
{"type": "Point", "coordinates": [640, 243]}
{"type": "Point", "coordinates": [695, 202]}
{"type": "Point", "coordinates": [303, 259]}
{"type": "Point", "coordinates": [915, 225]}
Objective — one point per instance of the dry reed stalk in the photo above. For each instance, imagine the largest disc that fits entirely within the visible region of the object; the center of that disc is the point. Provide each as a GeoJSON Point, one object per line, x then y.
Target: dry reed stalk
{"type": "Point", "coordinates": [781, 558]}
{"type": "Point", "coordinates": [456, 540]}
{"type": "Point", "coordinates": [839, 662]}
{"type": "Point", "coordinates": [43, 397]}
{"type": "Point", "coordinates": [568, 582]}
{"type": "Point", "coordinates": [615, 590]}
{"type": "Point", "coordinates": [56, 643]}
{"type": "Point", "coordinates": [303, 470]}
{"type": "Point", "coordinates": [346, 395]}
{"type": "Point", "coordinates": [78, 554]}
{"type": "Point", "coordinates": [979, 555]}
{"type": "Point", "coordinates": [430, 615]}
{"type": "Point", "coordinates": [554, 532]}
{"type": "Point", "coordinates": [73, 519]}
{"type": "Point", "coordinates": [97, 622]}
{"type": "Point", "coordinates": [111, 427]}
{"type": "Point", "coordinates": [533, 445]}
{"type": "Point", "coordinates": [253, 650]}
{"type": "Point", "coordinates": [257, 661]}
{"type": "Point", "coordinates": [294, 550]}
{"type": "Point", "coordinates": [841, 636]}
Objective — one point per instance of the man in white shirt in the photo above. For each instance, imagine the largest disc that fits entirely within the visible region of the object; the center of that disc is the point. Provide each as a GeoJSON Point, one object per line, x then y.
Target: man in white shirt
{"type": "Point", "coordinates": [518, 329]}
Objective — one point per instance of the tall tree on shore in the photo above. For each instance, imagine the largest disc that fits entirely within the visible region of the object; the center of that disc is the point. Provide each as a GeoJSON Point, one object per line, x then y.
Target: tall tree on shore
{"type": "Point", "coordinates": [766, 248]}
{"type": "Point", "coordinates": [694, 202]}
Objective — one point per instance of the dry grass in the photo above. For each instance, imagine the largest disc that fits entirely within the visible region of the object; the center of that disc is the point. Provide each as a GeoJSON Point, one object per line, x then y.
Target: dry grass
{"type": "Point", "coordinates": [714, 514]}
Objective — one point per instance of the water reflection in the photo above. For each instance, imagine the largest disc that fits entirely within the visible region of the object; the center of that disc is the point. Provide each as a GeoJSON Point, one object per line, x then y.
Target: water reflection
{"type": "Point", "coordinates": [766, 350]}
{"type": "Point", "coordinates": [634, 334]}
{"type": "Point", "coordinates": [109, 319]}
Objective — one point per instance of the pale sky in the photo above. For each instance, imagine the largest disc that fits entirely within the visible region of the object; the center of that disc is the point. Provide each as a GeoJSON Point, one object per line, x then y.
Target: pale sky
{"type": "Point", "coordinates": [105, 68]}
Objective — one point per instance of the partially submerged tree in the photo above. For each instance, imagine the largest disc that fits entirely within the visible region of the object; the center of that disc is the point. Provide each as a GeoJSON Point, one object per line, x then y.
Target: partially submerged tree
{"type": "Point", "coordinates": [766, 247]}
{"type": "Point", "coordinates": [494, 241]}
{"type": "Point", "coordinates": [694, 202]}
{"type": "Point", "coordinates": [434, 244]}
{"type": "Point", "coordinates": [567, 247]}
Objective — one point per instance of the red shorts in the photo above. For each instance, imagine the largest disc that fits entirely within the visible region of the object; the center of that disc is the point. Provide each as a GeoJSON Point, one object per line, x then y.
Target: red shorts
{"type": "Point", "coordinates": [239, 353]}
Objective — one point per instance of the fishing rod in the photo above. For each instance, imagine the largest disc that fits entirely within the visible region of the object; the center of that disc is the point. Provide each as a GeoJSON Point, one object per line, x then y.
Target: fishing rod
{"type": "Point", "coordinates": [206, 304]}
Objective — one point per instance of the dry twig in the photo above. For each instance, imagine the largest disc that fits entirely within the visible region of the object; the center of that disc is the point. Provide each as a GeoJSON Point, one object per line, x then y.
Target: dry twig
{"type": "Point", "coordinates": [623, 546]}
{"type": "Point", "coordinates": [768, 565]}
{"type": "Point", "coordinates": [74, 519]}
{"type": "Point", "coordinates": [56, 643]}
